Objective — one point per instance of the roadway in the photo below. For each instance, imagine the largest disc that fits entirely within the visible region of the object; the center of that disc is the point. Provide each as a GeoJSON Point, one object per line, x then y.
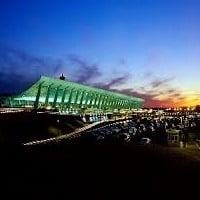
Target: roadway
{"type": "Point", "coordinates": [67, 136]}
{"type": "Point", "coordinates": [77, 133]}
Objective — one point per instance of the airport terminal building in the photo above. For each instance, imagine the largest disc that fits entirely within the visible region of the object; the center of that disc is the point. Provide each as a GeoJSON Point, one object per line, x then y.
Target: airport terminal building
{"type": "Point", "coordinates": [68, 96]}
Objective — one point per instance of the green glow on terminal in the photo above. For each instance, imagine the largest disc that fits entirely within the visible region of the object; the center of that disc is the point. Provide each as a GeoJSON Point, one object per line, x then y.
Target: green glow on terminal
{"type": "Point", "coordinates": [65, 94]}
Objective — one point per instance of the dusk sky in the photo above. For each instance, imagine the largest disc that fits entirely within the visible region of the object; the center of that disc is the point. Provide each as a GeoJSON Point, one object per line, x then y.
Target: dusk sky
{"type": "Point", "coordinates": [143, 48]}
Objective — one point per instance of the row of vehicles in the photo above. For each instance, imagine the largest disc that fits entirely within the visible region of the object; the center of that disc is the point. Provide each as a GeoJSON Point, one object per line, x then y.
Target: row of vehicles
{"type": "Point", "coordinates": [119, 131]}
{"type": "Point", "coordinates": [151, 129]}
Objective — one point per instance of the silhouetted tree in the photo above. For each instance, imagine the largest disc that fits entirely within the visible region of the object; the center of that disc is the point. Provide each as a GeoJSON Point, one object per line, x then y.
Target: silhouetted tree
{"type": "Point", "coordinates": [197, 108]}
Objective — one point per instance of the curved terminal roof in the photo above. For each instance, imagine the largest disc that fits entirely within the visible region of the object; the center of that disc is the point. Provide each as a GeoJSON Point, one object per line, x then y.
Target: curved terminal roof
{"type": "Point", "coordinates": [59, 93]}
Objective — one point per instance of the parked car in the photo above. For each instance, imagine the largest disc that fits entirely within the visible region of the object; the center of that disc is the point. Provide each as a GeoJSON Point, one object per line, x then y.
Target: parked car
{"type": "Point", "coordinates": [145, 140]}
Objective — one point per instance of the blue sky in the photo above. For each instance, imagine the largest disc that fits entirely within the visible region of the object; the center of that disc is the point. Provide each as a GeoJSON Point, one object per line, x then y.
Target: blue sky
{"type": "Point", "coordinates": [146, 48]}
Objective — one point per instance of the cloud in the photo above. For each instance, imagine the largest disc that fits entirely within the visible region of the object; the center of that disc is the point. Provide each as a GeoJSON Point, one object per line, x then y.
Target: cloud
{"type": "Point", "coordinates": [117, 81]}
{"type": "Point", "coordinates": [175, 95]}
{"type": "Point", "coordinates": [10, 84]}
{"type": "Point", "coordinates": [171, 91]}
{"type": "Point", "coordinates": [182, 98]}
{"type": "Point", "coordinates": [114, 82]}
{"type": "Point", "coordinates": [84, 72]}
{"type": "Point", "coordinates": [160, 82]}
{"type": "Point", "coordinates": [19, 69]}
{"type": "Point", "coordinates": [87, 73]}
{"type": "Point", "coordinates": [151, 98]}
{"type": "Point", "coordinates": [148, 74]}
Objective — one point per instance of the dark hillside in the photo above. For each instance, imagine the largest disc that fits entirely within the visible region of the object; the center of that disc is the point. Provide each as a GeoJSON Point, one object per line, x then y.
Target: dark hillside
{"type": "Point", "coordinates": [82, 170]}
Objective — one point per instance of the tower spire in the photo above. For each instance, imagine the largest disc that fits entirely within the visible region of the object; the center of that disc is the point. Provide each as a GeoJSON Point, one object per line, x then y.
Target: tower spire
{"type": "Point", "coordinates": [62, 77]}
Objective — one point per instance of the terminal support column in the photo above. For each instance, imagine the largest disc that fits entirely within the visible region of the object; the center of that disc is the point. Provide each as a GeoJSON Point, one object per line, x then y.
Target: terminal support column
{"type": "Point", "coordinates": [47, 97]}
{"type": "Point", "coordinates": [70, 97]}
{"type": "Point", "coordinates": [81, 100]}
{"type": "Point", "coordinates": [56, 96]}
{"type": "Point", "coordinates": [87, 99]}
{"type": "Point", "coordinates": [76, 98]}
{"type": "Point", "coordinates": [36, 103]}
{"type": "Point", "coordinates": [99, 100]}
{"type": "Point", "coordinates": [63, 96]}
{"type": "Point", "coordinates": [92, 96]}
{"type": "Point", "coordinates": [104, 102]}
{"type": "Point", "coordinates": [96, 98]}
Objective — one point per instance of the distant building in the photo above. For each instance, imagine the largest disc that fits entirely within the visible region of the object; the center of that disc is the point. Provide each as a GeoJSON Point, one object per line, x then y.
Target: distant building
{"type": "Point", "coordinates": [65, 95]}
